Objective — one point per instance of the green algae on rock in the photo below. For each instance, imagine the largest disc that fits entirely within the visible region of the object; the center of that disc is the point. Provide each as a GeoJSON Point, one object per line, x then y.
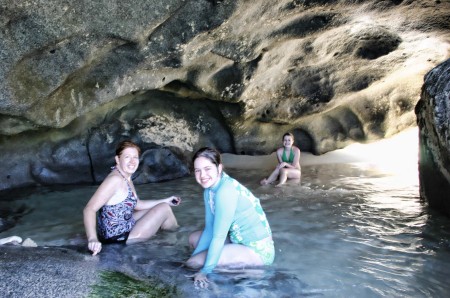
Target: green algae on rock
{"type": "Point", "coordinates": [118, 284]}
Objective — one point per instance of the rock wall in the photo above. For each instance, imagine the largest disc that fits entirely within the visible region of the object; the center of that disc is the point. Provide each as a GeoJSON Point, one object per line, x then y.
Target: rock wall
{"type": "Point", "coordinates": [433, 119]}
{"type": "Point", "coordinates": [175, 75]}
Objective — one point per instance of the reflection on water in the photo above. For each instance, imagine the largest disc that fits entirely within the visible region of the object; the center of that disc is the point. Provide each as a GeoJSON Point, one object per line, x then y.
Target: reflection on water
{"type": "Point", "coordinates": [346, 231]}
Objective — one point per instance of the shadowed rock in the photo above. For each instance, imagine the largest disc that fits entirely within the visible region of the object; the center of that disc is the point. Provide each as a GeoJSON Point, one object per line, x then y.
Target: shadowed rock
{"type": "Point", "coordinates": [433, 119]}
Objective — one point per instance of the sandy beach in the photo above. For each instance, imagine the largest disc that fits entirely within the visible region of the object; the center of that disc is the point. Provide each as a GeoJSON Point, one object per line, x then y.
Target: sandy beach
{"type": "Point", "coordinates": [387, 154]}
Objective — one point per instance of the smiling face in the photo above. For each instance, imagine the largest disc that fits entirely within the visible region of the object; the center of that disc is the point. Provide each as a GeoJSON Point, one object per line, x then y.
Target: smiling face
{"type": "Point", "coordinates": [206, 173]}
{"type": "Point", "coordinates": [128, 161]}
{"type": "Point", "coordinates": [288, 141]}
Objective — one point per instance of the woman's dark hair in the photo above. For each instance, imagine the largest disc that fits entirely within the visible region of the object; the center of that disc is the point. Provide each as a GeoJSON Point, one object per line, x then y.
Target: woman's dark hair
{"type": "Point", "coordinates": [126, 144]}
{"type": "Point", "coordinates": [210, 153]}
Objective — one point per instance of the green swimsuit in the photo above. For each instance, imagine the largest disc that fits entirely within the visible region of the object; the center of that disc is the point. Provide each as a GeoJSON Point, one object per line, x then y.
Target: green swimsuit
{"type": "Point", "coordinates": [291, 156]}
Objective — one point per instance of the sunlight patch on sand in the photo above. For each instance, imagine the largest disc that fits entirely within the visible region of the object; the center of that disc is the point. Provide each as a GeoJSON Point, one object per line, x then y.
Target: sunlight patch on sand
{"type": "Point", "coordinates": [397, 155]}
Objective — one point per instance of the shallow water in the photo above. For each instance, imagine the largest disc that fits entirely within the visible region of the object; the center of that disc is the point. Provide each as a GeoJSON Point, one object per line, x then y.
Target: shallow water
{"type": "Point", "coordinates": [349, 230]}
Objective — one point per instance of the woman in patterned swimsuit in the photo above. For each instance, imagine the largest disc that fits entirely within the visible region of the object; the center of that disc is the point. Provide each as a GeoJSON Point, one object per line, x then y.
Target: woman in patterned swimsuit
{"type": "Point", "coordinates": [122, 216]}
{"type": "Point", "coordinates": [232, 213]}
{"type": "Point", "coordinates": [288, 163]}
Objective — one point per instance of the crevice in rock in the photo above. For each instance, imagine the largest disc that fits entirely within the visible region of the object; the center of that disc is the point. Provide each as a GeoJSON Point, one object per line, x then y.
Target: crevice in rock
{"type": "Point", "coordinates": [91, 165]}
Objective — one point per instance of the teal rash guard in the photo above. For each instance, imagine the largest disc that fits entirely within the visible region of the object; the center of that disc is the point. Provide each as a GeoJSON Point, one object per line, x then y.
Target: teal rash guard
{"type": "Point", "coordinates": [230, 209]}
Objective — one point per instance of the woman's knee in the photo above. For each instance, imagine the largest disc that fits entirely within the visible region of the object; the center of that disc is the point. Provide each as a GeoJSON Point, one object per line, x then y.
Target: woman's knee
{"type": "Point", "coordinates": [196, 262]}
{"type": "Point", "coordinates": [163, 208]}
{"type": "Point", "coordinates": [158, 214]}
{"type": "Point", "coordinates": [194, 238]}
{"type": "Point", "coordinates": [294, 174]}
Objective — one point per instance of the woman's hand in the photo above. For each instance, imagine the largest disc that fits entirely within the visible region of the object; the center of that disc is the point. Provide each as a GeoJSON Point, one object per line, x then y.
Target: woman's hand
{"type": "Point", "coordinates": [200, 280]}
{"type": "Point", "coordinates": [173, 201]}
{"type": "Point", "coordinates": [281, 165]}
{"type": "Point", "coordinates": [95, 246]}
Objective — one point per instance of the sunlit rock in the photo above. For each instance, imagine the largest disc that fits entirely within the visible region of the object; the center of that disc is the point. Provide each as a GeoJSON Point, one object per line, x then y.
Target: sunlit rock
{"type": "Point", "coordinates": [29, 243]}
{"type": "Point", "coordinates": [11, 239]}
{"type": "Point", "coordinates": [175, 75]}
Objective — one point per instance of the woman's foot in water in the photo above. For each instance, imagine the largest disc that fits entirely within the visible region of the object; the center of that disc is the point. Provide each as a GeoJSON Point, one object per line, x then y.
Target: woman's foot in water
{"type": "Point", "coordinates": [264, 182]}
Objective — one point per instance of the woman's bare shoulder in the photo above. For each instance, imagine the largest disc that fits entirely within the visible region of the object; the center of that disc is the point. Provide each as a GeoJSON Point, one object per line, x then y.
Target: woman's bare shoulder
{"type": "Point", "coordinates": [113, 179]}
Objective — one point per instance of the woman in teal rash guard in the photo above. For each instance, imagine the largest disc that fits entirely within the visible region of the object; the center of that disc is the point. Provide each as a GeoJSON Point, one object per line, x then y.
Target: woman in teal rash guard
{"type": "Point", "coordinates": [236, 231]}
{"type": "Point", "coordinates": [288, 163]}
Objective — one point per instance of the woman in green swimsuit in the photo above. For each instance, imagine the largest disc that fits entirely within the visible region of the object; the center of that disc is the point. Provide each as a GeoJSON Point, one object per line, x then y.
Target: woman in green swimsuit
{"type": "Point", "coordinates": [288, 163]}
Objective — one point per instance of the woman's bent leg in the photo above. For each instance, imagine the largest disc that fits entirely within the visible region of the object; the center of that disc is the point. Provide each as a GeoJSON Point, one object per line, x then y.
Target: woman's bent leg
{"type": "Point", "coordinates": [238, 255]}
{"type": "Point", "coordinates": [197, 261]}
{"type": "Point", "coordinates": [150, 221]}
{"type": "Point", "coordinates": [233, 255]}
{"type": "Point", "coordinates": [194, 237]}
{"type": "Point", "coordinates": [286, 173]}
{"type": "Point", "coordinates": [283, 177]}
{"type": "Point", "coordinates": [273, 176]}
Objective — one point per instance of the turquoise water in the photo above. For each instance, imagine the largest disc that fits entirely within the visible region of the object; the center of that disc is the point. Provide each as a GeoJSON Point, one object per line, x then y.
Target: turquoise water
{"type": "Point", "coordinates": [349, 230]}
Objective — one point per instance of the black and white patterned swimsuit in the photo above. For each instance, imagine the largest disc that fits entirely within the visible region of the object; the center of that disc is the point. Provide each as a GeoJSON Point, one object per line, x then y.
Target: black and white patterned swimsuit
{"type": "Point", "coordinates": [116, 221]}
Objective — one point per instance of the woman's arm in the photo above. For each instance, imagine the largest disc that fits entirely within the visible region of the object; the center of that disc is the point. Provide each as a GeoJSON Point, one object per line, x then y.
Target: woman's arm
{"type": "Point", "coordinates": [295, 163]}
{"type": "Point", "coordinates": [205, 238]}
{"type": "Point", "coordinates": [280, 155]}
{"type": "Point", "coordinates": [281, 163]}
{"type": "Point", "coordinates": [149, 204]}
{"type": "Point", "coordinates": [105, 191]}
{"type": "Point", "coordinates": [226, 203]}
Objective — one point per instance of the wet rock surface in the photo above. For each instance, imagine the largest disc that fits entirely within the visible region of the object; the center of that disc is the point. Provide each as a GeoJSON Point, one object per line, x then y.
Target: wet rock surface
{"type": "Point", "coordinates": [124, 270]}
{"type": "Point", "coordinates": [45, 272]}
